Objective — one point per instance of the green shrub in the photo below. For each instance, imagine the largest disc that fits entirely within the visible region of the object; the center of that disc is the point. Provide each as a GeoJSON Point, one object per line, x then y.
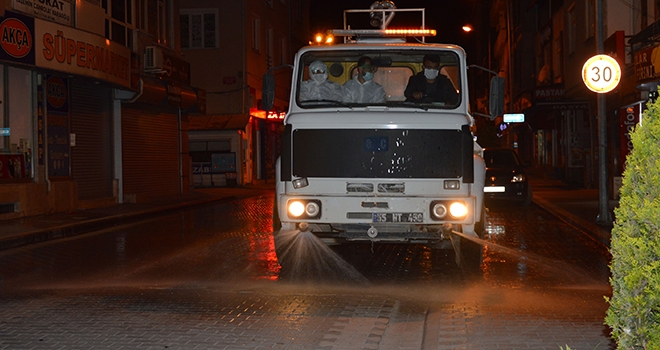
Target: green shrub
{"type": "Point", "coordinates": [634, 312]}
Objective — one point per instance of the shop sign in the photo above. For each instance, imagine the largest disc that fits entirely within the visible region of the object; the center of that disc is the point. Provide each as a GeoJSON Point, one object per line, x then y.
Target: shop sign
{"type": "Point", "coordinates": [176, 69]}
{"type": "Point", "coordinates": [17, 38]}
{"type": "Point", "coordinates": [223, 162]}
{"type": "Point", "coordinates": [59, 137]}
{"type": "Point", "coordinates": [74, 51]}
{"type": "Point", "coordinates": [57, 95]}
{"type": "Point", "coordinates": [52, 10]}
{"type": "Point", "coordinates": [647, 64]}
{"type": "Point", "coordinates": [549, 93]}
{"type": "Point", "coordinates": [201, 168]}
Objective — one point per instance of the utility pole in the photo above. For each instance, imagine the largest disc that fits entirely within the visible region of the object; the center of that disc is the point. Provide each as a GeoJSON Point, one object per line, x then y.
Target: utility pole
{"type": "Point", "coordinates": [604, 216]}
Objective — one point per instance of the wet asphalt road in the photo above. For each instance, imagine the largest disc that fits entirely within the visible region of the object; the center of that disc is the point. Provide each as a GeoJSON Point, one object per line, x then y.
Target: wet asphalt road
{"type": "Point", "coordinates": [209, 278]}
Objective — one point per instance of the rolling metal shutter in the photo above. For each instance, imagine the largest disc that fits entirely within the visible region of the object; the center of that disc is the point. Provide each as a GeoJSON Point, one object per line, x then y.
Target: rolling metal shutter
{"type": "Point", "coordinates": [91, 157]}
{"type": "Point", "coordinates": [150, 146]}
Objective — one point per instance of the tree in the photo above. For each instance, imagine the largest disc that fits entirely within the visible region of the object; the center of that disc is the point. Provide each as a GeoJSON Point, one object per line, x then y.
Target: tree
{"type": "Point", "coordinates": [634, 312]}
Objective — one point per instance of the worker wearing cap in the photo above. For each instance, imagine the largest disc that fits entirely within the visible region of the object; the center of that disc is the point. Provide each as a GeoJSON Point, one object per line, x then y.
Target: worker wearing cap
{"type": "Point", "coordinates": [318, 87]}
{"type": "Point", "coordinates": [362, 88]}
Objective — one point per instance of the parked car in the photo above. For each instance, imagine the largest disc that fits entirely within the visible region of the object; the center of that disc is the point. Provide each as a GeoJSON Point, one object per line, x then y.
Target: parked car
{"type": "Point", "coordinates": [506, 179]}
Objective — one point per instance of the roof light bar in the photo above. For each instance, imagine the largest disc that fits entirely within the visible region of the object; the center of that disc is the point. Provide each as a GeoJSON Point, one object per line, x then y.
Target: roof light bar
{"type": "Point", "coordinates": [411, 32]}
{"type": "Point", "coordinates": [383, 32]}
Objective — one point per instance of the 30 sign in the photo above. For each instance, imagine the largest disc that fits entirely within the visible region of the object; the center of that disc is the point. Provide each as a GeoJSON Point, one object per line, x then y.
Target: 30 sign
{"type": "Point", "coordinates": [601, 73]}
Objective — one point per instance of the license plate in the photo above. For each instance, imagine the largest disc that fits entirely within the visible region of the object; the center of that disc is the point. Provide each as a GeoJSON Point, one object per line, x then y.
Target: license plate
{"type": "Point", "coordinates": [494, 189]}
{"type": "Point", "coordinates": [398, 217]}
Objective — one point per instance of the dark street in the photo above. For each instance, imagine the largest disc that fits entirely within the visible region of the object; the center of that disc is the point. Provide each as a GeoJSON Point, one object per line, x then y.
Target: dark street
{"type": "Point", "coordinates": [208, 277]}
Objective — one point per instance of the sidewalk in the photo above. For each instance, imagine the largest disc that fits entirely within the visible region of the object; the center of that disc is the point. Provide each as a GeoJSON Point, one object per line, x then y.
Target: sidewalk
{"type": "Point", "coordinates": [35, 229]}
{"type": "Point", "coordinates": [577, 207]}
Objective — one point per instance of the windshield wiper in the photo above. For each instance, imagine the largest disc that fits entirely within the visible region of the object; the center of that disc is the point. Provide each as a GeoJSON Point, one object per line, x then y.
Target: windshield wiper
{"type": "Point", "coordinates": [408, 104]}
{"type": "Point", "coordinates": [322, 103]}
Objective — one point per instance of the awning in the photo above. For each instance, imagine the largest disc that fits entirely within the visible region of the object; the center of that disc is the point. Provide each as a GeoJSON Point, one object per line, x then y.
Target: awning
{"type": "Point", "coordinates": [218, 122]}
{"type": "Point", "coordinates": [647, 34]}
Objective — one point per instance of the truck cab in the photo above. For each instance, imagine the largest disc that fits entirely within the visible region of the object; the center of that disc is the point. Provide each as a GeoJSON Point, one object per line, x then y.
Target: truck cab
{"type": "Point", "coordinates": [386, 169]}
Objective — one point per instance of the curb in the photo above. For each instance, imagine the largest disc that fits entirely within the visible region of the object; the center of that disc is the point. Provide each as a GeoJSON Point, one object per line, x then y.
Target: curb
{"type": "Point", "coordinates": [90, 225]}
{"type": "Point", "coordinates": [593, 231]}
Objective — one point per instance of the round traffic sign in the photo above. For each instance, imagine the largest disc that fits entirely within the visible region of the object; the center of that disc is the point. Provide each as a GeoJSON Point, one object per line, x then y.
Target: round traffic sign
{"type": "Point", "coordinates": [601, 73]}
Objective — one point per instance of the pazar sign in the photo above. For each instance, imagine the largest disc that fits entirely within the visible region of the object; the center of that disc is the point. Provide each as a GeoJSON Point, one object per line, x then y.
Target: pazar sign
{"type": "Point", "coordinates": [74, 51]}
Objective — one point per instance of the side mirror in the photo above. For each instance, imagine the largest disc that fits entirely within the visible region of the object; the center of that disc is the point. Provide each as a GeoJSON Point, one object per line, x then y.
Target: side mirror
{"type": "Point", "coordinates": [268, 92]}
{"type": "Point", "coordinates": [496, 99]}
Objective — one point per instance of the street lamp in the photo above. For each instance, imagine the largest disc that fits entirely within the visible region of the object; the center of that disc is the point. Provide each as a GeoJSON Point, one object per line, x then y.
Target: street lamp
{"type": "Point", "coordinates": [467, 28]}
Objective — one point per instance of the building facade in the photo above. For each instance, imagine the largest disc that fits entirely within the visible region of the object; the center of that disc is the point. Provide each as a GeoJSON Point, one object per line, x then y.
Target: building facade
{"type": "Point", "coordinates": [541, 48]}
{"type": "Point", "coordinates": [87, 118]}
{"type": "Point", "coordinates": [230, 45]}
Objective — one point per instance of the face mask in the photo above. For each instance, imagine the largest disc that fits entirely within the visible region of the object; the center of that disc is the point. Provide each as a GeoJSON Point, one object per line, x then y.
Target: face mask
{"type": "Point", "coordinates": [319, 78]}
{"type": "Point", "coordinates": [431, 73]}
{"type": "Point", "coordinates": [368, 76]}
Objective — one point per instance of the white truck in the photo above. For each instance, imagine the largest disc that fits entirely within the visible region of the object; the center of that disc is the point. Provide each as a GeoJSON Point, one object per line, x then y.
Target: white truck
{"type": "Point", "coordinates": [394, 170]}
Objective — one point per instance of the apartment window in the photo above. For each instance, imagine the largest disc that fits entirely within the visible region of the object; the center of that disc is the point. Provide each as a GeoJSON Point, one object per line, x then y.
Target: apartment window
{"type": "Point", "coordinates": [270, 49]}
{"type": "Point", "coordinates": [119, 21]}
{"type": "Point", "coordinates": [640, 18]}
{"type": "Point", "coordinates": [284, 51]}
{"type": "Point", "coordinates": [558, 59]}
{"type": "Point", "coordinates": [571, 29]}
{"type": "Point", "coordinates": [199, 28]}
{"type": "Point", "coordinates": [256, 34]}
{"type": "Point", "coordinates": [162, 23]}
{"type": "Point", "coordinates": [590, 18]}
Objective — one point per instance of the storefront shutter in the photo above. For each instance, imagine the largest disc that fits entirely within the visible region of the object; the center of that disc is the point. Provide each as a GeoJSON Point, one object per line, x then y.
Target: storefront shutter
{"type": "Point", "coordinates": [91, 157]}
{"type": "Point", "coordinates": [150, 146]}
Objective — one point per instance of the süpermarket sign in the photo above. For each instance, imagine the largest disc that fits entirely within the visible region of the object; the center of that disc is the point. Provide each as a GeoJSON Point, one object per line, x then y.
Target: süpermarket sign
{"type": "Point", "coordinates": [69, 50]}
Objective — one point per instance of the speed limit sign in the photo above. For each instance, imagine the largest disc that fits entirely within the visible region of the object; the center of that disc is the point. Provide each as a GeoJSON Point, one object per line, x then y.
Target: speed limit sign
{"type": "Point", "coordinates": [601, 73]}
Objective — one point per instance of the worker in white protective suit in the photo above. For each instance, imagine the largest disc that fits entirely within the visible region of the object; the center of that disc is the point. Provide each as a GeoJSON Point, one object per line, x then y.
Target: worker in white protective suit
{"type": "Point", "coordinates": [318, 87]}
{"type": "Point", "coordinates": [362, 88]}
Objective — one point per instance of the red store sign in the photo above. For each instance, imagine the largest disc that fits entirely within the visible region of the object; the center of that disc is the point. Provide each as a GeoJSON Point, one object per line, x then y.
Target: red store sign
{"type": "Point", "coordinates": [70, 50]}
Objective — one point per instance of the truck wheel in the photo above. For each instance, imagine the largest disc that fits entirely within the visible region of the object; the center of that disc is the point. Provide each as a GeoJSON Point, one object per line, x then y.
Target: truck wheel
{"type": "Point", "coordinates": [277, 224]}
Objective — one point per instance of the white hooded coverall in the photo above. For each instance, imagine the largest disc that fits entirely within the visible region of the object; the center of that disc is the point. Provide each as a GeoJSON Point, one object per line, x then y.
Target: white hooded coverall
{"type": "Point", "coordinates": [318, 87]}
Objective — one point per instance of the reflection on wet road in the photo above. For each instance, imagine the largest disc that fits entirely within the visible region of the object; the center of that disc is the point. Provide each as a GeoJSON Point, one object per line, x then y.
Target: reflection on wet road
{"type": "Point", "coordinates": [213, 270]}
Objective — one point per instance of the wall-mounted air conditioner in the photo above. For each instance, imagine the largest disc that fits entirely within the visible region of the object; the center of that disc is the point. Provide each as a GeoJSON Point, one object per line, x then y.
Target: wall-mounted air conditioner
{"type": "Point", "coordinates": [153, 59]}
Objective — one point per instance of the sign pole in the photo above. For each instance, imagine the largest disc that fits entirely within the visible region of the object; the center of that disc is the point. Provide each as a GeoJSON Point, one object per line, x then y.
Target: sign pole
{"type": "Point", "coordinates": [604, 217]}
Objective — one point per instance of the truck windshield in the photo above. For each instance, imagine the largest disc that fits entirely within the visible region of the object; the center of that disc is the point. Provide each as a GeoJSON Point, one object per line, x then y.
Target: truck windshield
{"type": "Point", "coordinates": [350, 78]}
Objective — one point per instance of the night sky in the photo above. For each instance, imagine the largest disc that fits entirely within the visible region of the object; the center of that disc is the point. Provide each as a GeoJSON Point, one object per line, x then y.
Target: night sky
{"type": "Point", "coordinates": [445, 16]}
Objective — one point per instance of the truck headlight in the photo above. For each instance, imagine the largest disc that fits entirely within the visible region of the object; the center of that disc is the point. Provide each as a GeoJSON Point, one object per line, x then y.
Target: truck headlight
{"type": "Point", "coordinates": [304, 209]}
{"type": "Point", "coordinates": [438, 210]}
{"type": "Point", "coordinates": [458, 210]}
{"type": "Point", "coordinates": [296, 209]}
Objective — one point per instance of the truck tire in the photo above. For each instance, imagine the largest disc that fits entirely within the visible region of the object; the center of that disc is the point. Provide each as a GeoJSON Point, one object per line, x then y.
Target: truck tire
{"type": "Point", "coordinates": [277, 224]}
